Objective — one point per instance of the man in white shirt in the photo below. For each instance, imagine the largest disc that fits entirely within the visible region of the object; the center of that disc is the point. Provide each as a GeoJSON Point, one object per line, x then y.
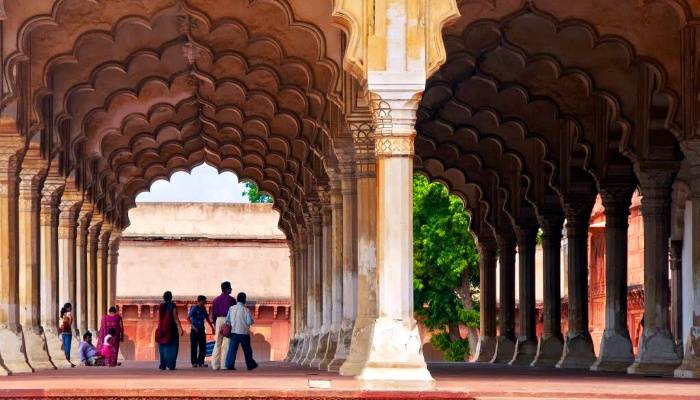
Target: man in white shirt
{"type": "Point", "coordinates": [240, 320]}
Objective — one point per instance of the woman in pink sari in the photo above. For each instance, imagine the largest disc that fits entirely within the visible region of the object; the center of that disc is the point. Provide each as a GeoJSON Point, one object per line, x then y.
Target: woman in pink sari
{"type": "Point", "coordinates": [111, 321]}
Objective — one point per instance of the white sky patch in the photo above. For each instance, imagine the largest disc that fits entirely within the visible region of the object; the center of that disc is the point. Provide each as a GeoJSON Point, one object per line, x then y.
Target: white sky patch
{"type": "Point", "coordinates": [204, 185]}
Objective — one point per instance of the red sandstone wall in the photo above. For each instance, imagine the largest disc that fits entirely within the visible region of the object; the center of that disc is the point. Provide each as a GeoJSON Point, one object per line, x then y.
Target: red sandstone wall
{"type": "Point", "coordinates": [270, 333]}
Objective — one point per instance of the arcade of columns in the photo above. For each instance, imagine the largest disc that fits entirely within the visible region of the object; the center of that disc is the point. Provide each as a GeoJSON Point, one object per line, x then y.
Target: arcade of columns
{"type": "Point", "coordinates": [527, 109]}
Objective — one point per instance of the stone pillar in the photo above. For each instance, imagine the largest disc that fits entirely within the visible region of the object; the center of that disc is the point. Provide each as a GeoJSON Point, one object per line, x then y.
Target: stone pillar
{"type": "Point", "coordinates": [551, 343]}
{"type": "Point", "coordinates": [677, 293]}
{"type": "Point", "coordinates": [314, 316]}
{"type": "Point", "coordinates": [578, 348]}
{"type": "Point", "coordinates": [336, 272]}
{"type": "Point", "coordinates": [102, 270]}
{"type": "Point", "coordinates": [81, 267]}
{"type": "Point", "coordinates": [67, 225]}
{"type": "Point", "coordinates": [526, 344]}
{"type": "Point", "coordinates": [112, 263]}
{"type": "Point", "coordinates": [349, 263]}
{"type": "Point", "coordinates": [12, 358]}
{"type": "Point", "coordinates": [49, 272]}
{"type": "Point", "coordinates": [505, 343]}
{"type": "Point", "coordinates": [486, 348]}
{"type": "Point", "coordinates": [690, 367]}
{"type": "Point", "coordinates": [326, 280]}
{"type": "Point", "coordinates": [303, 342]}
{"type": "Point", "coordinates": [657, 349]}
{"type": "Point", "coordinates": [615, 346]}
{"type": "Point", "coordinates": [395, 358]}
{"type": "Point", "coordinates": [293, 339]}
{"type": "Point", "coordinates": [366, 230]}
{"type": "Point", "coordinates": [93, 239]}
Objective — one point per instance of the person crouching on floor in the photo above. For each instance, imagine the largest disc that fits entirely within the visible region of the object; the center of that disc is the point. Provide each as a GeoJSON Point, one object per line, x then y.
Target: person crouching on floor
{"type": "Point", "coordinates": [240, 320]}
{"type": "Point", "coordinates": [88, 353]}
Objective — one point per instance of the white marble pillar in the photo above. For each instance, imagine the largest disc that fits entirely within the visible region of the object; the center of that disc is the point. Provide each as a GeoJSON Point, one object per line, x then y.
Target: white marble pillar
{"type": "Point", "coordinates": [112, 265]}
{"type": "Point", "coordinates": [303, 343]}
{"type": "Point", "coordinates": [486, 348]}
{"type": "Point", "coordinates": [294, 314]}
{"type": "Point", "coordinates": [690, 367]}
{"type": "Point", "coordinates": [366, 247]}
{"type": "Point", "coordinates": [326, 280]}
{"type": "Point", "coordinates": [67, 230]}
{"type": "Point", "coordinates": [505, 343]}
{"type": "Point", "coordinates": [314, 313]}
{"type": "Point", "coordinates": [32, 175]}
{"type": "Point", "coordinates": [395, 358]}
{"type": "Point", "coordinates": [551, 343]}
{"type": "Point", "coordinates": [49, 272]}
{"type": "Point", "coordinates": [615, 353]}
{"type": "Point", "coordinates": [657, 350]}
{"type": "Point", "coordinates": [11, 349]}
{"type": "Point", "coordinates": [102, 270]}
{"type": "Point", "coordinates": [93, 239]}
{"type": "Point", "coordinates": [349, 262]}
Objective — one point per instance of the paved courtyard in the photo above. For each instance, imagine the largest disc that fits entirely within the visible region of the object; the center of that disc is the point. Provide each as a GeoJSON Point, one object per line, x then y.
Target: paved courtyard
{"type": "Point", "coordinates": [285, 381]}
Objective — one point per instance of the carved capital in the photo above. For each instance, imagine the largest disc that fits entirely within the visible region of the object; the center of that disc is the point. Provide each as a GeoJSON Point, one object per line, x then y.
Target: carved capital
{"type": "Point", "coordinates": [395, 146]}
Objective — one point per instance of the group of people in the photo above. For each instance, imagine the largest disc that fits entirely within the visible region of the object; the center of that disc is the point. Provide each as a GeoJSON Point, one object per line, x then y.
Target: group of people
{"type": "Point", "coordinates": [230, 321]}
{"type": "Point", "coordinates": [110, 335]}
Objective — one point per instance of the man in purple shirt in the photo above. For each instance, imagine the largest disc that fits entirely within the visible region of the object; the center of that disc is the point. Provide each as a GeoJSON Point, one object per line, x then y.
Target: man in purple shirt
{"type": "Point", "coordinates": [219, 310]}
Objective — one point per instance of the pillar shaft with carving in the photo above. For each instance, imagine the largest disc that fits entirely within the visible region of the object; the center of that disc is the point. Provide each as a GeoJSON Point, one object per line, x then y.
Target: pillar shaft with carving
{"type": "Point", "coordinates": [505, 347]}
{"type": "Point", "coordinates": [526, 345]}
{"type": "Point", "coordinates": [486, 347]}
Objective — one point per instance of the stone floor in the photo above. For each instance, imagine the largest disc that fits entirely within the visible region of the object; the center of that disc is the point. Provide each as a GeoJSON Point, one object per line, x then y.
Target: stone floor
{"type": "Point", "coordinates": [285, 381]}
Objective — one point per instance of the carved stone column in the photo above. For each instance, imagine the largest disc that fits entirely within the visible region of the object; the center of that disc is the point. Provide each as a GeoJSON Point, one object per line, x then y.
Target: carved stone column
{"type": "Point", "coordinates": [657, 349]}
{"type": "Point", "coordinates": [314, 280]}
{"type": "Point", "coordinates": [505, 346]}
{"type": "Point", "coordinates": [303, 338]}
{"type": "Point", "coordinates": [112, 264]}
{"type": "Point", "coordinates": [67, 225]}
{"type": "Point", "coordinates": [326, 280]}
{"type": "Point", "coordinates": [49, 272]}
{"type": "Point", "coordinates": [690, 368]}
{"type": "Point", "coordinates": [81, 266]}
{"type": "Point", "coordinates": [486, 348]}
{"type": "Point", "coordinates": [349, 260]}
{"type": "Point", "coordinates": [93, 240]}
{"type": "Point", "coordinates": [32, 177]}
{"type": "Point", "coordinates": [578, 348]}
{"type": "Point", "coordinates": [294, 291]}
{"type": "Point", "coordinates": [526, 345]}
{"type": "Point", "coordinates": [677, 293]}
{"type": "Point", "coordinates": [615, 346]}
{"type": "Point", "coordinates": [395, 357]}
{"type": "Point", "coordinates": [11, 349]}
{"type": "Point", "coordinates": [366, 246]}
{"type": "Point", "coordinates": [102, 270]}
{"type": "Point", "coordinates": [551, 343]}
{"type": "Point", "coordinates": [336, 272]}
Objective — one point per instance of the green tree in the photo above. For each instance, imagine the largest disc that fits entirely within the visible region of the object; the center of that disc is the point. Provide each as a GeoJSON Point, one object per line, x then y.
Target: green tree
{"type": "Point", "coordinates": [446, 269]}
{"type": "Point", "coordinates": [254, 194]}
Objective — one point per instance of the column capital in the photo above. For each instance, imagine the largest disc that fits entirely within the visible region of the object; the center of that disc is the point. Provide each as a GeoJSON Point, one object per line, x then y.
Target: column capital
{"type": "Point", "coordinates": [551, 223]}
{"type": "Point", "coordinates": [577, 209]}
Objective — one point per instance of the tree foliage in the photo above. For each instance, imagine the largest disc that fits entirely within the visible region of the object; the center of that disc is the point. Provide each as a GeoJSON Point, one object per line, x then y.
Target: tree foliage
{"type": "Point", "coordinates": [445, 267]}
{"type": "Point", "coordinates": [255, 195]}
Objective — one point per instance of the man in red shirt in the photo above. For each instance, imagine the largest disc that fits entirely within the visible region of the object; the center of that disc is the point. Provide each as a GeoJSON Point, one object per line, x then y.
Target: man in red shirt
{"type": "Point", "coordinates": [219, 309]}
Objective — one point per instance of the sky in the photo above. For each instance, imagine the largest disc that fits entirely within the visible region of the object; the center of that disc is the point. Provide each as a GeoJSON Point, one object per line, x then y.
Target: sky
{"type": "Point", "coordinates": [204, 184]}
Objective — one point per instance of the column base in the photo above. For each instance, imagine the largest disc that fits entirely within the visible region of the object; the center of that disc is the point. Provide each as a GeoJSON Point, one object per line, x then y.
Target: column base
{"type": "Point", "coordinates": [35, 349]}
{"type": "Point", "coordinates": [342, 351]}
{"type": "Point", "coordinates": [505, 349]}
{"type": "Point", "coordinates": [12, 353]}
{"type": "Point", "coordinates": [321, 349]}
{"type": "Point", "coordinates": [578, 351]}
{"type": "Point", "coordinates": [311, 350]}
{"type": "Point", "coordinates": [359, 348]}
{"type": "Point", "coordinates": [54, 345]}
{"type": "Point", "coordinates": [657, 354]}
{"type": "Point", "coordinates": [615, 352]}
{"type": "Point", "coordinates": [292, 348]}
{"type": "Point", "coordinates": [333, 338]}
{"type": "Point", "coordinates": [485, 349]}
{"type": "Point", "coordinates": [690, 368]}
{"type": "Point", "coordinates": [525, 351]}
{"type": "Point", "coordinates": [302, 346]}
{"type": "Point", "coordinates": [395, 359]}
{"type": "Point", "coordinates": [549, 350]}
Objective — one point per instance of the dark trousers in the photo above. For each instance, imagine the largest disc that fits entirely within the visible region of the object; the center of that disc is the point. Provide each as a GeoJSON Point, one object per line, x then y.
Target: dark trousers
{"type": "Point", "coordinates": [168, 353]}
{"type": "Point", "coordinates": [198, 346]}
{"type": "Point", "coordinates": [244, 341]}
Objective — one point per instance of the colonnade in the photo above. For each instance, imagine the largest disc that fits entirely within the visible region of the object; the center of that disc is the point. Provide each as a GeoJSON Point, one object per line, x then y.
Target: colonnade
{"type": "Point", "coordinates": [56, 249]}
